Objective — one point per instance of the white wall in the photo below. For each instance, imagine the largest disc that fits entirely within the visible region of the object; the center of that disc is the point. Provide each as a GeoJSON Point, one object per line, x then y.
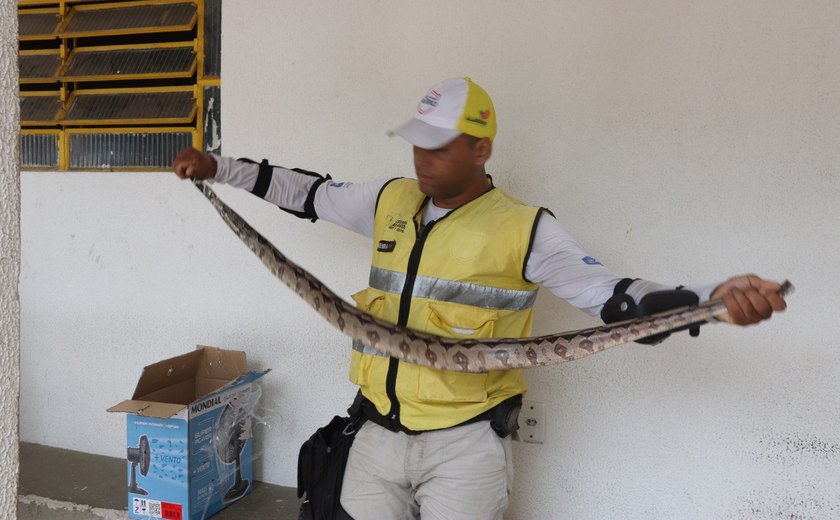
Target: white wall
{"type": "Point", "coordinates": [678, 141]}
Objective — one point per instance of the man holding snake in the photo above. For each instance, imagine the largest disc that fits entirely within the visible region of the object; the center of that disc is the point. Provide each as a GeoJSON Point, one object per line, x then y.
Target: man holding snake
{"type": "Point", "coordinates": [456, 257]}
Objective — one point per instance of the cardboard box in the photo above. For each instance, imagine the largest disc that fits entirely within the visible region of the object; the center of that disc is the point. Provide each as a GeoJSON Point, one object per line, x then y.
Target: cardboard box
{"type": "Point", "coordinates": [190, 448]}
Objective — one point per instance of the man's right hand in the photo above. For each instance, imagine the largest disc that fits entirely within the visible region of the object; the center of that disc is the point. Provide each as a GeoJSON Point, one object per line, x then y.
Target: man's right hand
{"type": "Point", "coordinates": [194, 164]}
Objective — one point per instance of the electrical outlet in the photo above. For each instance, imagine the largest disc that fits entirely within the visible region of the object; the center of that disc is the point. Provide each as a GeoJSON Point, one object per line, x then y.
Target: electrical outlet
{"type": "Point", "coordinates": [532, 422]}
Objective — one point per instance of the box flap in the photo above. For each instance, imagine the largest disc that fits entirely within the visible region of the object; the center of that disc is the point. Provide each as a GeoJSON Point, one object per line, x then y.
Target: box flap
{"type": "Point", "coordinates": [181, 380]}
{"type": "Point", "coordinates": [167, 373]}
{"type": "Point", "coordinates": [245, 378]}
{"type": "Point", "coordinates": [250, 376]}
{"type": "Point", "coordinates": [148, 408]}
{"type": "Point", "coordinates": [182, 393]}
{"type": "Point", "coordinates": [225, 365]}
{"type": "Point", "coordinates": [218, 369]}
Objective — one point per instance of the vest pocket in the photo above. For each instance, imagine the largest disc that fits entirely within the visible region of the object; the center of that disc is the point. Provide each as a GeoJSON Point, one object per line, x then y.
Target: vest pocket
{"type": "Point", "coordinates": [369, 300]}
{"type": "Point", "coordinates": [362, 366]}
{"type": "Point", "coordinates": [456, 321]}
{"type": "Point", "coordinates": [441, 386]}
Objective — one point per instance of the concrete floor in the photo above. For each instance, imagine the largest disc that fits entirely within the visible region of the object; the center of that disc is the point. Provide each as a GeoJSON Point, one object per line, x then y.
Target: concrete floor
{"type": "Point", "coordinates": [57, 484]}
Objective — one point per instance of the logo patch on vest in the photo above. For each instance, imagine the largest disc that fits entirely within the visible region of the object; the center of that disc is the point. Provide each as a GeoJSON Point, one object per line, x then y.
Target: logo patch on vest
{"type": "Point", "coordinates": [386, 246]}
{"type": "Point", "coordinates": [398, 225]}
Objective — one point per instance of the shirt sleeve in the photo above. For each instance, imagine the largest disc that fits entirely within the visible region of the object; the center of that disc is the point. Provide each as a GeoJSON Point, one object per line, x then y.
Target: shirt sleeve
{"type": "Point", "coordinates": [559, 264]}
{"type": "Point", "coordinates": [349, 205]}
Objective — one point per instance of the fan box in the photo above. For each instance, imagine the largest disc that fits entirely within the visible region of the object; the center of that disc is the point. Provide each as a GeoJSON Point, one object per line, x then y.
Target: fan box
{"type": "Point", "coordinates": [190, 448]}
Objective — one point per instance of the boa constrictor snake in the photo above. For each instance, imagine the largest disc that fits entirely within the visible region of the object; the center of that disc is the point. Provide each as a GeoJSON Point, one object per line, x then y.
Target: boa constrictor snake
{"type": "Point", "coordinates": [470, 355]}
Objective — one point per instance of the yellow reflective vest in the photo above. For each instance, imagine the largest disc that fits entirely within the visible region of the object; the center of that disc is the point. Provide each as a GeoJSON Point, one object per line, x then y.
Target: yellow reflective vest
{"type": "Point", "coordinates": [461, 276]}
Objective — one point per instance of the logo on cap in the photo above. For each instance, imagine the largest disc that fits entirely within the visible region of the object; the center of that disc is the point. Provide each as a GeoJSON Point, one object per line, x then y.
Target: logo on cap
{"type": "Point", "coordinates": [484, 114]}
{"type": "Point", "coordinates": [429, 102]}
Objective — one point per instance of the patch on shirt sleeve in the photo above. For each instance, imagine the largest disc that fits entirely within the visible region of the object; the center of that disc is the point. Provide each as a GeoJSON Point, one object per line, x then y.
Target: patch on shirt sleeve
{"type": "Point", "coordinates": [339, 184]}
{"type": "Point", "coordinates": [590, 261]}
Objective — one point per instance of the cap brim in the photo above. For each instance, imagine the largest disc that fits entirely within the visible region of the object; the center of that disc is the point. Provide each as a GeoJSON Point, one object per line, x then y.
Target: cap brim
{"type": "Point", "coordinates": [424, 135]}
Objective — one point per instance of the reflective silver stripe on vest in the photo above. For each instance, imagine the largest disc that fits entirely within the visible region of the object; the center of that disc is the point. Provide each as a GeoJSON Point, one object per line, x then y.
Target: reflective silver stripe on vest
{"type": "Point", "coordinates": [457, 292]}
{"type": "Point", "coordinates": [358, 345]}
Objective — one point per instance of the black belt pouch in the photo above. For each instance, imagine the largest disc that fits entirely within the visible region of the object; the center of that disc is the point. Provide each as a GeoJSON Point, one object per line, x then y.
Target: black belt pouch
{"type": "Point", "coordinates": [321, 465]}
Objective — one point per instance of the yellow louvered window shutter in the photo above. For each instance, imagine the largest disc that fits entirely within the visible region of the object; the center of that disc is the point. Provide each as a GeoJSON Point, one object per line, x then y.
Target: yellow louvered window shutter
{"type": "Point", "coordinates": [117, 85]}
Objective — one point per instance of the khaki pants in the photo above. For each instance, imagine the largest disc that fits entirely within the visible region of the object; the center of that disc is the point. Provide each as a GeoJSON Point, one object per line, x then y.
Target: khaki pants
{"type": "Point", "coordinates": [458, 473]}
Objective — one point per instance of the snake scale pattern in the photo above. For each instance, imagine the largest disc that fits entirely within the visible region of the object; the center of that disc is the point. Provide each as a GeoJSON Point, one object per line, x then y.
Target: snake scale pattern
{"type": "Point", "coordinates": [473, 355]}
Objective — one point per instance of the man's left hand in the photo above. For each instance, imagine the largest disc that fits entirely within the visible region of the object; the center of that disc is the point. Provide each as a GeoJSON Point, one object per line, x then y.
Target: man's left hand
{"type": "Point", "coordinates": [749, 299]}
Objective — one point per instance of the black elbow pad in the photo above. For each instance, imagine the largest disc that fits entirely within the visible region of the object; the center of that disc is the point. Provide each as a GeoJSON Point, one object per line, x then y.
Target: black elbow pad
{"type": "Point", "coordinates": [623, 307]}
{"type": "Point", "coordinates": [264, 181]}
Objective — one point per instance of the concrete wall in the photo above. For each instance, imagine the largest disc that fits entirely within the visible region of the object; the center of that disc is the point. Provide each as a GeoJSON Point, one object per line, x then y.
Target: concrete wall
{"type": "Point", "coordinates": [678, 141]}
{"type": "Point", "coordinates": [9, 260]}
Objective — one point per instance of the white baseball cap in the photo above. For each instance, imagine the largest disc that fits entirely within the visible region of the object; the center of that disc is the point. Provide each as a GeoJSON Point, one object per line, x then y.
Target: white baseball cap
{"type": "Point", "coordinates": [452, 107]}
